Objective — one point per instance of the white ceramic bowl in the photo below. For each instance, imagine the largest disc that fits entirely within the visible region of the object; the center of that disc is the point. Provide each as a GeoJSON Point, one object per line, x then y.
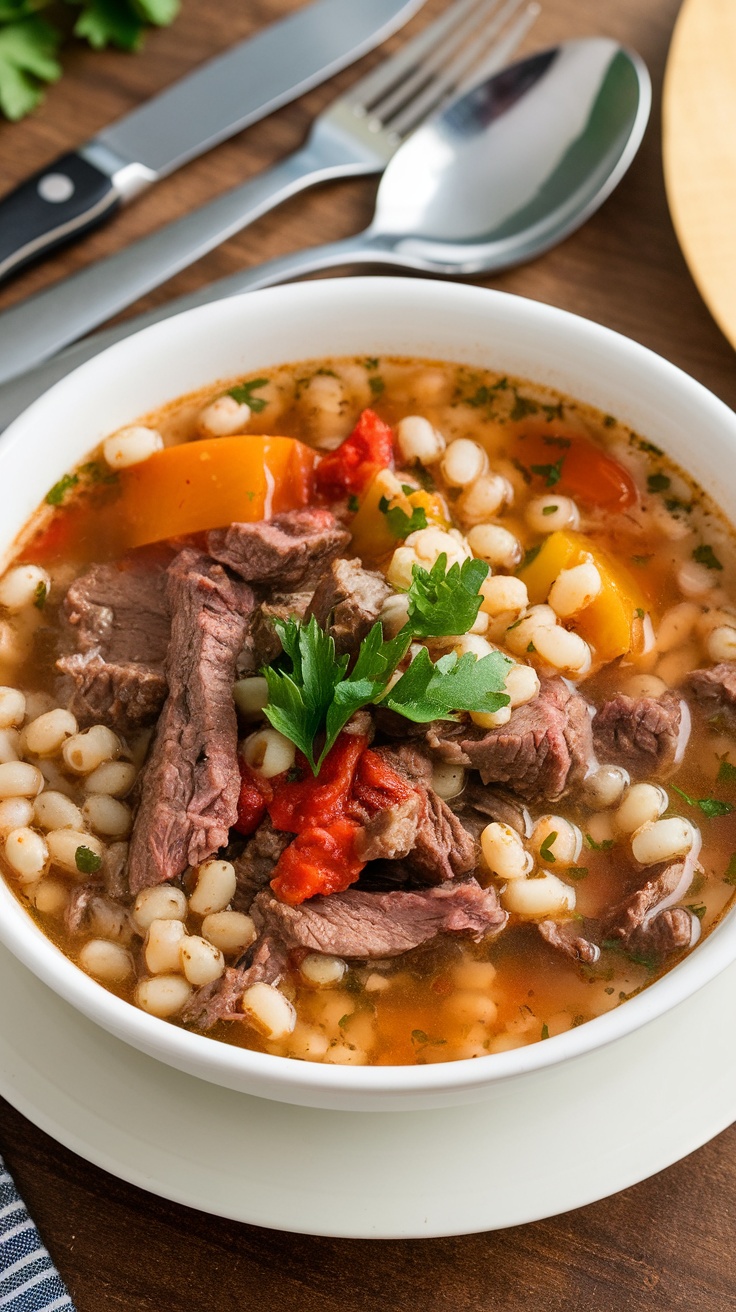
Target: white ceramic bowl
{"type": "Point", "coordinates": [360, 316]}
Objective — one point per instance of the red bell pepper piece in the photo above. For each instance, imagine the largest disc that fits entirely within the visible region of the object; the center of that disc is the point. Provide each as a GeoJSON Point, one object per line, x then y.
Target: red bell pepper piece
{"type": "Point", "coordinates": [255, 795]}
{"type": "Point", "coordinates": [563, 461]}
{"type": "Point", "coordinates": [356, 461]}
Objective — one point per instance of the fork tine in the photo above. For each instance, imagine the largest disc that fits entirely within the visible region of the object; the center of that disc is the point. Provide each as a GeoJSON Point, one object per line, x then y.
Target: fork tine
{"type": "Point", "coordinates": [384, 77]}
{"type": "Point", "coordinates": [468, 66]}
{"type": "Point", "coordinates": [438, 57]}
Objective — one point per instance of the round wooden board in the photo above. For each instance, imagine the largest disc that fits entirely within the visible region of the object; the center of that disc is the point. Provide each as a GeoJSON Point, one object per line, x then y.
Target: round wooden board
{"type": "Point", "coordinates": [699, 148]}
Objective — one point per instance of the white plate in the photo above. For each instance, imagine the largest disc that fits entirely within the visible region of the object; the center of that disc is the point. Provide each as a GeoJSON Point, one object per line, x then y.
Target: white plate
{"type": "Point", "coordinates": [574, 1134]}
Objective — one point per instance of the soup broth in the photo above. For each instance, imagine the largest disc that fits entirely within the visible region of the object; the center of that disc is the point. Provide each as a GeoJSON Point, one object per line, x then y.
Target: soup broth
{"type": "Point", "coordinates": [564, 848]}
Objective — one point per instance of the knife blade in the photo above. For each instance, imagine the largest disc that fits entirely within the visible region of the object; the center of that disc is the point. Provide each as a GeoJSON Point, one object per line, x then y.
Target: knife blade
{"type": "Point", "coordinates": [228, 93]}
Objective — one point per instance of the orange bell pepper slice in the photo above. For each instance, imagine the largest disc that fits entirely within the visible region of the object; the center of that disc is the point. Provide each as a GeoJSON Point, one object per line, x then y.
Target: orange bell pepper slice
{"type": "Point", "coordinates": [201, 485]}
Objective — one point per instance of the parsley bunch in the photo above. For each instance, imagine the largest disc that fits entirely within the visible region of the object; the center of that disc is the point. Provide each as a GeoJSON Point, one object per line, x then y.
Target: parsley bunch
{"type": "Point", "coordinates": [312, 694]}
{"type": "Point", "coordinates": [29, 44]}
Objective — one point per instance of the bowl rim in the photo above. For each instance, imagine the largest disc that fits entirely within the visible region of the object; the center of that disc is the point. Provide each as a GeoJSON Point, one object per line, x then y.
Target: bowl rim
{"type": "Point", "coordinates": [281, 1077]}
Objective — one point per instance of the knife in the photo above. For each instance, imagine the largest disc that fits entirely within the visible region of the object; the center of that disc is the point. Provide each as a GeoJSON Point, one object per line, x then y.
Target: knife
{"type": "Point", "coordinates": [84, 187]}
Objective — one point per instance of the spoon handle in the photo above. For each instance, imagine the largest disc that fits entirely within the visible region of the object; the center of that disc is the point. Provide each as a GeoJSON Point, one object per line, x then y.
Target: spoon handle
{"type": "Point", "coordinates": [25, 388]}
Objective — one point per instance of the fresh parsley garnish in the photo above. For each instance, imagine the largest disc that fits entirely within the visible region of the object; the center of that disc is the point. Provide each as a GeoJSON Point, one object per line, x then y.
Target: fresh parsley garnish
{"type": "Point", "coordinates": [312, 696]}
{"type": "Point", "coordinates": [658, 482]}
{"type": "Point", "coordinates": [549, 510]}
{"type": "Point", "coordinates": [639, 612]}
{"type": "Point", "coordinates": [399, 523]}
{"type": "Point", "coordinates": [87, 861]}
{"type": "Point", "coordinates": [39, 596]}
{"type": "Point", "coordinates": [353, 503]}
{"type": "Point", "coordinates": [550, 473]}
{"type": "Point", "coordinates": [705, 555]}
{"type": "Point", "coordinates": [421, 1039]}
{"type": "Point", "coordinates": [710, 806]}
{"type": "Point", "coordinates": [545, 1031]}
{"type": "Point", "coordinates": [577, 872]}
{"type": "Point", "coordinates": [445, 601]}
{"type": "Point", "coordinates": [730, 875]}
{"type": "Point", "coordinates": [243, 394]}
{"type": "Point", "coordinates": [698, 910]}
{"type": "Point", "coordinates": [523, 406]}
{"type": "Point", "coordinates": [57, 493]}
{"type": "Point", "coordinates": [545, 850]}
{"type": "Point", "coordinates": [376, 385]}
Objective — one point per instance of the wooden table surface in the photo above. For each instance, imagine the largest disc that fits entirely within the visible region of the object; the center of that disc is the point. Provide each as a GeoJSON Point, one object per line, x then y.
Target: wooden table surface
{"type": "Point", "coordinates": [666, 1244]}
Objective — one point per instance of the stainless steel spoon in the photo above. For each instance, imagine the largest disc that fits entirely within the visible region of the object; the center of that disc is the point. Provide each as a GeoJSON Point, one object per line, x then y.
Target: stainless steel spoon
{"type": "Point", "coordinates": [503, 173]}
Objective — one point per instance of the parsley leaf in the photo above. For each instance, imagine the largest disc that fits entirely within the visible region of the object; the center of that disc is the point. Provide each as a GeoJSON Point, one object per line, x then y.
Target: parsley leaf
{"type": "Point", "coordinates": [549, 510]}
{"type": "Point", "coordinates": [432, 692]}
{"type": "Point", "coordinates": [353, 503]}
{"type": "Point", "coordinates": [531, 556]}
{"type": "Point", "coordinates": [376, 385]}
{"type": "Point", "coordinates": [243, 394]}
{"type": "Point", "coordinates": [445, 601]}
{"type": "Point", "coordinates": [605, 846]}
{"type": "Point", "coordinates": [730, 875]}
{"type": "Point", "coordinates": [39, 596]}
{"type": "Point", "coordinates": [399, 523]}
{"type": "Point", "coordinates": [710, 806]}
{"type": "Point", "coordinates": [298, 701]}
{"type": "Point", "coordinates": [697, 910]}
{"type": "Point", "coordinates": [368, 679]}
{"type": "Point", "coordinates": [87, 861]}
{"type": "Point", "coordinates": [705, 555]}
{"type": "Point", "coordinates": [550, 473]}
{"type": "Point", "coordinates": [27, 59]}
{"type": "Point", "coordinates": [545, 1031]}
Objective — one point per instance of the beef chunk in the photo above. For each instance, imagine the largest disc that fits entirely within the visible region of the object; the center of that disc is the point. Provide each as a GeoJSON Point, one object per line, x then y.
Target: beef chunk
{"type": "Point", "coordinates": [255, 866]}
{"type": "Point", "coordinates": [290, 550]}
{"type": "Point", "coordinates": [117, 616]}
{"type": "Point", "coordinates": [349, 600]}
{"type": "Point", "coordinates": [543, 751]}
{"type": "Point", "coordinates": [479, 804]}
{"type": "Point", "coordinates": [562, 935]}
{"type": "Point", "coordinates": [647, 921]}
{"type": "Point", "coordinates": [220, 1000]}
{"type": "Point", "coordinates": [190, 784]}
{"type": "Point", "coordinates": [390, 834]}
{"type": "Point", "coordinates": [91, 911]}
{"type": "Point", "coordinates": [113, 870]}
{"type": "Point", "coordinates": [374, 925]}
{"type": "Point", "coordinates": [715, 689]}
{"type": "Point", "coordinates": [442, 847]}
{"type": "Point", "coordinates": [646, 734]}
{"type": "Point", "coordinates": [262, 643]}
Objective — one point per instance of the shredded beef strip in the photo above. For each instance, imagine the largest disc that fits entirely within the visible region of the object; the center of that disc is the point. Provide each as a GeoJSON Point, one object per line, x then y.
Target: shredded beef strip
{"type": "Point", "coordinates": [563, 936]}
{"type": "Point", "coordinates": [265, 963]}
{"type": "Point", "coordinates": [256, 864]}
{"type": "Point", "coordinates": [366, 926]}
{"type": "Point", "coordinates": [646, 734]}
{"type": "Point", "coordinates": [118, 619]}
{"type": "Point", "coordinates": [190, 783]}
{"type": "Point", "coordinates": [715, 689]}
{"type": "Point", "coordinates": [442, 848]}
{"type": "Point", "coordinates": [647, 921]}
{"type": "Point", "coordinates": [479, 804]}
{"type": "Point", "coordinates": [544, 750]}
{"type": "Point", "coordinates": [290, 550]}
{"type": "Point", "coordinates": [347, 601]}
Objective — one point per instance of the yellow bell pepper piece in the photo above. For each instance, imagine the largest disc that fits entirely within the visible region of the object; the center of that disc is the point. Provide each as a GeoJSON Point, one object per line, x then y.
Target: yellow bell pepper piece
{"type": "Point", "coordinates": [607, 622]}
{"type": "Point", "coordinates": [372, 538]}
{"type": "Point", "coordinates": [202, 485]}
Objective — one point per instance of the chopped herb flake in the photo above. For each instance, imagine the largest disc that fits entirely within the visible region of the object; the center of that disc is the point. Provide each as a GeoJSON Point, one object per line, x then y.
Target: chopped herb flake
{"type": "Point", "coordinates": [549, 510]}
{"type": "Point", "coordinates": [531, 648]}
{"type": "Point", "coordinates": [545, 850]}
{"type": "Point", "coordinates": [531, 556]}
{"type": "Point", "coordinates": [658, 482]}
{"type": "Point", "coordinates": [545, 1031]}
{"type": "Point", "coordinates": [639, 612]}
{"type": "Point", "coordinates": [697, 910]}
{"type": "Point", "coordinates": [641, 560]}
{"type": "Point", "coordinates": [523, 406]}
{"type": "Point", "coordinates": [87, 861]}
{"type": "Point", "coordinates": [550, 473]}
{"type": "Point", "coordinates": [39, 596]}
{"type": "Point", "coordinates": [710, 806]}
{"type": "Point", "coordinates": [353, 503]}
{"type": "Point", "coordinates": [577, 872]}
{"type": "Point", "coordinates": [730, 875]}
{"type": "Point", "coordinates": [376, 385]}
{"type": "Point", "coordinates": [705, 555]}
{"type": "Point", "coordinates": [399, 523]}
{"type": "Point", "coordinates": [57, 493]}
{"type": "Point", "coordinates": [604, 846]}
{"type": "Point", "coordinates": [243, 394]}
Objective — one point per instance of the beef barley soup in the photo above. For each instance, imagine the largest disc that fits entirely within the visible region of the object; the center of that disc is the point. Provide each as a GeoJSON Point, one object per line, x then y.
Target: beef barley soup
{"type": "Point", "coordinates": [371, 711]}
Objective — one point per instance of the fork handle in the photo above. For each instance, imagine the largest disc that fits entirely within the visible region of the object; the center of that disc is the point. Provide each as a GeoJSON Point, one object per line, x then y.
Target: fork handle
{"type": "Point", "coordinates": [42, 325]}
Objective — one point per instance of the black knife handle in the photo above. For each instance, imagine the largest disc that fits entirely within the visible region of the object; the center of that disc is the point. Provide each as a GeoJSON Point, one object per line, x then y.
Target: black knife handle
{"type": "Point", "coordinates": [54, 205]}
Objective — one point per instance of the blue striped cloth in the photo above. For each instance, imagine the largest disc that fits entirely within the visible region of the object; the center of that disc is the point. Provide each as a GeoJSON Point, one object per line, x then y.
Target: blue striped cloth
{"type": "Point", "coordinates": [29, 1281]}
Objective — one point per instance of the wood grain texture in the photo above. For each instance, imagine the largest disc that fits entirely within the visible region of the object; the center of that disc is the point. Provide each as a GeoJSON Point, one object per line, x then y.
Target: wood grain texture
{"type": "Point", "coordinates": [665, 1245]}
{"type": "Point", "coordinates": [699, 149]}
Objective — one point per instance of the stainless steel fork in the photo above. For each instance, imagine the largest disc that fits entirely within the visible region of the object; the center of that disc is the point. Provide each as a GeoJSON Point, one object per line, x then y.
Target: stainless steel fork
{"type": "Point", "coordinates": [357, 134]}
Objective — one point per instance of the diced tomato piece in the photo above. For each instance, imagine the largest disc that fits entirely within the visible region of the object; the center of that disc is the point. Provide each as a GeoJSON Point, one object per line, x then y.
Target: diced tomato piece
{"type": "Point", "coordinates": [255, 795]}
{"type": "Point", "coordinates": [377, 787]}
{"type": "Point", "coordinates": [561, 461]}
{"type": "Point", "coordinates": [320, 860]}
{"type": "Point", "coordinates": [351, 467]}
{"type": "Point", "coordinates": [306, 802]}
